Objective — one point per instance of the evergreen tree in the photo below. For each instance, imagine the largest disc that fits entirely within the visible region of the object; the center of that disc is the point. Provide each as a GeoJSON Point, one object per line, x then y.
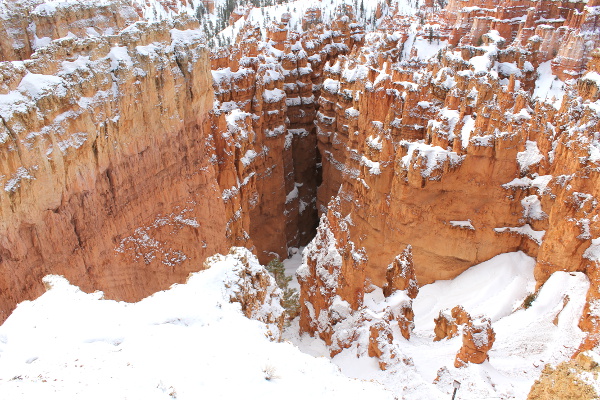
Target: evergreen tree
{"type": "Point", "coordinates": [290, 296]}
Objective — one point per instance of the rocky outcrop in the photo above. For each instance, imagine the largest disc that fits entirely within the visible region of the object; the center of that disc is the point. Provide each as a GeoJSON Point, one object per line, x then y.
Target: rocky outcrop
{"type": "Point", "coordinates": [462, 152]}
{"type": "Point", "coordinates": [144, 166]}
{"type": "Point", "coordinates": [569, 380]}
{"type": "Point", "coordinates": [332, 296]}
{"type": "Point", "coordinates": [477, 340]}
{"type": "Point", "coordinates": [31, 25]}
{"type": "Point", "coordinates": [381, 345]}
{"type": "Point", "coordinates": [252, 286]}
{"type": "Point", "coordinates": [477, 334]}
{"type": "Point", "coordinates": [448, 322]}
{"type": "Point", "coordinates": [276, 87]}
{"type": "Point", "coordinates": [330, 274]}
{"type": "Point", "coordinates": [473, 151]}
{"type": "Point", "coordinates": [400, 275]}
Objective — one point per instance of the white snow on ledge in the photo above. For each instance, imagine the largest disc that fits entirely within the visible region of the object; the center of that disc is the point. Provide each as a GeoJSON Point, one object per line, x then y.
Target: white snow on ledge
{"type": "Point", "coordinates": [374, 167]}
{"type": "Point", "coordinates": [463, 224]}
{"type": "Point", "coordinates": [530, 156]}
{"type": "Point", "coordinates": [525, 230]}
{"type": "Point", "coordinates": [434, 156]}
{"type": "Point", "coordinates": [539, 181]}
{"type": "Point", "coordinates": [593, 251]}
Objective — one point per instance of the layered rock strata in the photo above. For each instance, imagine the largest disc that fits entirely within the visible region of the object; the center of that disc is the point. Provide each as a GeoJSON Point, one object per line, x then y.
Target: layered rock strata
{"type": "Point", "coordinates": [464, 149]}
{"type": "Point", "coordinates": [105, 164]}
{"type": "Point", "coordinates": [267, 95]}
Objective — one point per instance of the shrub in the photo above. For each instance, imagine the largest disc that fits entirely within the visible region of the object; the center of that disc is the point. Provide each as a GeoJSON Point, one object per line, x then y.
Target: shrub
{"type": "Point", "coordinates": [290, 300]}
{"type": "Point", "coordinates": [269, 372]}
{"type": "Point", "coordinates": [529, 300]}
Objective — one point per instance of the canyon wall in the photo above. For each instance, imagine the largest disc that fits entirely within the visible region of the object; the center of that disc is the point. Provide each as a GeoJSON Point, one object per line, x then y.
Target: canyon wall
{"type": "Point", "coordinates": [105, 169]}
{"type": "Point", "coordinates": [462, 152]}
{"type": "Point", "coordinates": [122, 171]}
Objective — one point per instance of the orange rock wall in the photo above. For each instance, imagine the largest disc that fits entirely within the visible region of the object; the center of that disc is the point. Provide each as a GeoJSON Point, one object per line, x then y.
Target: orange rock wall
{"type": "Point", "coordinates": [105, 168]}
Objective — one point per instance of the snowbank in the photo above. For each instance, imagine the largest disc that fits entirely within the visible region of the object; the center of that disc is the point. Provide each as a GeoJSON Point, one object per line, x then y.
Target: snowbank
{"type": "Point", "coordinates": [187, 342]}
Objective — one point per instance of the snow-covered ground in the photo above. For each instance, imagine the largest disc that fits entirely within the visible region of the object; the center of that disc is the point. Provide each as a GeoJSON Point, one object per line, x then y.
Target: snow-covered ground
{"type": "Point", "coordinates": [188, 342]}
{"type": "Point", "coordinates": [191, 342]}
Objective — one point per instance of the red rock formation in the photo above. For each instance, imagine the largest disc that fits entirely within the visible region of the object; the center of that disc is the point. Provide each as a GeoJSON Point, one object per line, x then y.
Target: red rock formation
{"type": "Point", "coordinates": [404, 316]}
{"type": "Point", "coordinates": [447, 323]}
{"type": "Point", "coordinates": [333, 271]}
{"type": "Point", "coordinates": [254, 288]}
{"type": "Point", "coordinates": [97, 185]}
{"type": "Point", "coordinates": [30, 25]}
{"type": "Point", "coordinates": [381, 346]}
{"type": "Point", "coordinates": [478, 338]}
{"type": "Point", "coordinates": [400, 275]}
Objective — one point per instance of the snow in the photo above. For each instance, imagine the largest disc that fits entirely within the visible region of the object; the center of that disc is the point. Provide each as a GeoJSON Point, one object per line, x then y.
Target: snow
{"type": "Point", "coordinates": [15, 181]}
{"type": "Point", "coordinates": [427, 49]}
{"type": "Point", "coordinates": [509, 68]}
{"type": "Point", "coordinates": [262, 16]}
{"type": "Point", "coordinates": [273, 96]}
{"type": "Point", "coordinates": [494, 36]}
{"type": "Point", "coordinates": [374, 167]}
{"type": "Point", "coordinates": [354, 73]}
{"type": "Point", "coordinates": [75, 141]}
{"type": "Point", "coordinates": [249, 156]}
{"type": "Point", "coordinates": [593, 251]}
{"type": "Point", "coordinates": [433, 157]}
{"type": "Point", "coordinates": [331, 86]}
{"type": "Point", "coordinates": [525, 230]}
{"type": "Point", "coordinates": [37, 85]}
{"type": "Point", "coordinates": [118, 54]}
{"type": "Point", "coordinates": [187, 342]}
{"type": "Point", "coordinates": [374, 143]}
{"type": "Point", "coordinates": [467, 130]}
{"type": "Point", "coordinates": [539, 181]}
{"type": "Point", "coordinates": [187, 36]}
{"type": "Point", "coordinates": [291, 266]}
{"type": "Point", "coordinates": [548, 88]}
{"type": "Point", "coordinates": [530, 156]}
{"type": "Point", "coordinates": [592, 76]}
{"type": "Point", "coordinates": [462, 224]}
{"type": "Point", "coordinates": [483, 63]}
{"type": "Point", "coordinates": [293, 194]}
{"type": "Point", "coordinates": [532, 208]}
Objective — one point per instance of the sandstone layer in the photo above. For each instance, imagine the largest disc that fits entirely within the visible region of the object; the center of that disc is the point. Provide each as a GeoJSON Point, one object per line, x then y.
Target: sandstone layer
{"type": "Point", "coordinates": [105, 166]}
{"type": "Point", "coordinates": [464, 135]}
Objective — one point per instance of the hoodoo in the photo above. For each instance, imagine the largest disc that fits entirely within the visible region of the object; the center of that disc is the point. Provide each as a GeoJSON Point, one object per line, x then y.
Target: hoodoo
{"type": "Point", "coordinates": [426, 157]}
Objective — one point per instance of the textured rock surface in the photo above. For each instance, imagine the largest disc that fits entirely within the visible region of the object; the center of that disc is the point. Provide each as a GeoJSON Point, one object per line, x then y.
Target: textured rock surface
{"type": "Point", "coordinates": [380, 345]}
{"type": "Point", "coordinates": [254, 288]}
{"type": "Point", "coordinates": [400, 275]}
{"type": "Point", "coordinates": [477, 340]}
{"type": "Point", "coordinates": [488, 147]}
{"type": "Point", "coordinates": [105, 166]}
{"type": "Point", "coordinates": [462, 133]}
{"type": "Point", "coordinates": [448, 322]}
{"type": "Point", "coordinates": [569, 380]}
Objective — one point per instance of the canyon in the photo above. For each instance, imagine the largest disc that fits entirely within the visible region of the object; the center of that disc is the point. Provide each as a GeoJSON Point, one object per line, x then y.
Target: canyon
{"type": "Point", "coordinates": [399, 155]}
